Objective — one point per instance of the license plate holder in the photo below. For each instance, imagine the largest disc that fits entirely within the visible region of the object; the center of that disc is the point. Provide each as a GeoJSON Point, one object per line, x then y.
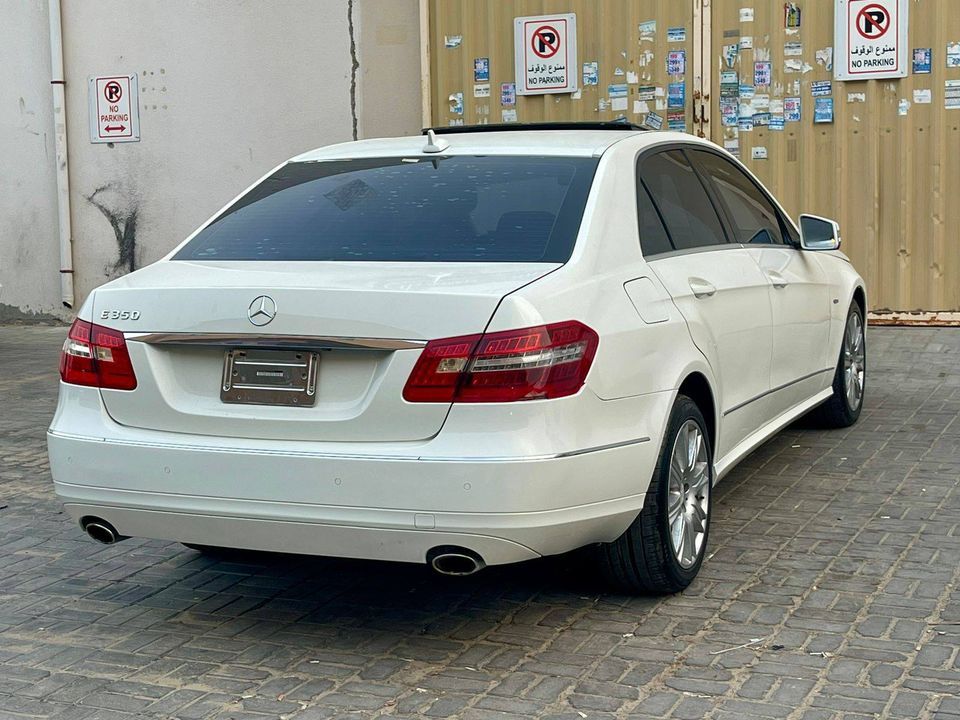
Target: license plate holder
{"type": "Point", "coordinates": [287, 378]}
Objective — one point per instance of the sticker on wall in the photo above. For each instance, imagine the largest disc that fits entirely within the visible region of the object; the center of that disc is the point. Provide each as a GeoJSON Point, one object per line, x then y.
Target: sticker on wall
{"type": "Point", "coordinates": [953, 55]}
{"type": "Point", "coordinates": [796, 66]}
{"type": "Point", "coordinates": [759, 153]}
{"type": "Point", "coordinates": [821, 88]}
{"type": "Point", "coordinates": [776, 106]}
{"type": "Point", "coordinates": [648, 30]}
{"type": "Point", "coordinates": [508, 94]}
{"type": "Point", "coordinates": [825, 58]}
{"type": "Point", "coordinates": [729, 84]}
{"type": "Point", "coordinates": [761, 119]}
{"type": "Point", "coordinates": [745, 124]}
{"type": "Point", "coordinates": [617, 91]}
{"type": "Point", "coordinates": [481, 90]}
{"type": "Point", "coordinates": [823, 110]}
{"type": "Point", "coordinates": [761, 103]}
{"type": "Point", "coordinates": [456, 103]}
{"type": "Point", "coordinates": [676, 34]}
{"type": "Point", "coordinates": [746, 42]}
{"type": "Point", "coordinates": [903, 107]}
{"type": "Point", "coordinates": [730, 54]}
{"type": "Point", "coordinates": [618, 104]}
{"type": "Point", "coordinates": [922, 97]}
{"type": "Point", "coordinates": [951, 95]}
{"type": "Point", "coordinates": [632, 78]}
{"type": "Point", "coordinates": [729, 117]}
{"type": "Point", "coordinates": [653, 121]}
{"type": "Point", "coordinates": [762, 73]}
{"type": "Point", "coordinates": [747, 91]}
{"type": "Point", "coordinates": [481, 69]}
{"type": "Point", "coordinates": [922, 61]}
{"type": "Point", "coordinates": [576, 94]}
{"type": "Point", "coordinates": [677, 62]}
{"type": "Point", "coordinates": [508, 116]}
{"type": "Point", "coordinates": [591, 73]}
{"type": "Point", "coordinates": [776, 123]}
{"type": "Point", "coordinates": [793, 49]}
{"type": "Point", "coordinates": [856, 97]}
{"type": "Point", "coordinates": [640, 107]}
{"type": "Point", "coordinates": [791, 15]}
{"type": "Point", "coordinates": [676, 95]}
{"type": "Point", "coordinates": [603, 104]}
{"type": "Point", "coordinates": [452, 41]}
{"type": "Point", "coordinates": [792, 109]}
{"type": "Point", "coordinates": [732, 146]}
{"type": "Point", "coordinates": [647, 92]}
{"type": "Point", "coordinates": [746, 15]}
{"type": "Point", "coordinates": [619, 72]}
{"type": "Point", "coordinates": [677, 121]}
{"type": "Point", "coordinates": [761, 54]}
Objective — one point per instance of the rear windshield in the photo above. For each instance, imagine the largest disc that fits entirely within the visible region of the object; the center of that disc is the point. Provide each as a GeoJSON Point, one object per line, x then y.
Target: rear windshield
{"type": "Point", "coordinates": [444, 209]}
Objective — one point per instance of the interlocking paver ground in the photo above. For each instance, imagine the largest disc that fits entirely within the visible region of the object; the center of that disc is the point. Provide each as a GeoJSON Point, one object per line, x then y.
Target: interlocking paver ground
{"type": "Point", "coordinates": [836, 553]}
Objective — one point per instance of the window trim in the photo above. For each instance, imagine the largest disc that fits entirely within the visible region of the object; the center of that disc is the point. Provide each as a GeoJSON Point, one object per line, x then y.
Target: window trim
{"type": "Point", "coordinates": [639, 183]}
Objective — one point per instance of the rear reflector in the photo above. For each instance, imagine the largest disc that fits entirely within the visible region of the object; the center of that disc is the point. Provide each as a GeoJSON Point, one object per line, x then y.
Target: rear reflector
{"type": "Point", "coordinates": [548, 361]}
{"type": "Point", "coordinates": [97, 357]}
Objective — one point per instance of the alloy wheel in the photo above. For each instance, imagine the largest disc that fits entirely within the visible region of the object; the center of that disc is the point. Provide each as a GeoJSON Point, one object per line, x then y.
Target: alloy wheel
{"type": "Point", "coordinates": [854, 361]}
{"type": "Point", "coordinates": [688, 493]}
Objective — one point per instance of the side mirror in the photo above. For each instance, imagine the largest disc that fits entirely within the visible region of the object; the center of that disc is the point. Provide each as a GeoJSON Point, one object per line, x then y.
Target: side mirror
{"type": "Point", "coordinates": [817, 233]}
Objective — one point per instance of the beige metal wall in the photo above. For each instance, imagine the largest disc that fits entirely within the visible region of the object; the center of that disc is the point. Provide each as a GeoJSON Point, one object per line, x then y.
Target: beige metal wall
{"type": "Point", "coordinates": [607, 32]}
{"type": "Point", "coordinates": [893, 181]}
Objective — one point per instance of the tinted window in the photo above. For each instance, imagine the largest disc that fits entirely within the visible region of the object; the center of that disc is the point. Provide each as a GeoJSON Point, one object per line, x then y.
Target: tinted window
{"type": "Point", "coordinates": [444, 209]}
{"type": "Point", "coordinates": [684, 205]}
{"type": "Point", "coordinates": [753, 216]}
{"type": "Point", "coordinates": [653, 236]}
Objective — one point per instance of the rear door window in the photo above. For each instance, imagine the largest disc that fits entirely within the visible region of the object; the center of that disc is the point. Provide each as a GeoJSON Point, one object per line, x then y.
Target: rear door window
{"type": "Point", "coordinates": [684, 205]}
{"type": "Point", "coordinates": [442, 209]}
{"type": "Point", "coordinates": [754, 218]}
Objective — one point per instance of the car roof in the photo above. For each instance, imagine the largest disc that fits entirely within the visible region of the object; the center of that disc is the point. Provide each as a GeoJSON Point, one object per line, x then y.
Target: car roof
{"type": "Point", "coordinates": [570, 143]}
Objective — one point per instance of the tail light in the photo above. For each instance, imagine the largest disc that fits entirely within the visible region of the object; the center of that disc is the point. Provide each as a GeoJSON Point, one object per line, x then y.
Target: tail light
{"type": "Point", "coordinates": [549, 361]}
{"type": "Point", "coordinates": [97, 357]}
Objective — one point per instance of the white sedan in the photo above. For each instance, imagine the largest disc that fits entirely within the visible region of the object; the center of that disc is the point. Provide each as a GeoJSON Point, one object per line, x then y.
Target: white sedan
{"type": "Point", "coordinates": [480, 346]}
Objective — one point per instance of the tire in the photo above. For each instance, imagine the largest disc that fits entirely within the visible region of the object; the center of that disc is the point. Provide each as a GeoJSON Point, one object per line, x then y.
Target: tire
{"type": "Point", "coordinates": [849, 380]}
{"type": "Point", "coordinates": [644, 559]}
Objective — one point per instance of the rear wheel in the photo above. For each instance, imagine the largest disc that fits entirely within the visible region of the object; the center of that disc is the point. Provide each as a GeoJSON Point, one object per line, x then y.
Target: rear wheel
{"type": "Point", "coordinates": [849, 380]}
{"type": "Point", "coordinates": [662, 550]}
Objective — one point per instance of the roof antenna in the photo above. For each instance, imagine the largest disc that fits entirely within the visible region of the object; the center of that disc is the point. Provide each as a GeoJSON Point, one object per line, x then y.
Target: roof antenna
{"type": "Point", "coordinates": [434, 145]}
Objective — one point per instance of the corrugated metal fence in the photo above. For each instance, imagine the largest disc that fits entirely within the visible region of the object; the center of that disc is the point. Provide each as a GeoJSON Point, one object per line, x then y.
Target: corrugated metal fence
{"type": "Point", "coordinates": [887, 167]}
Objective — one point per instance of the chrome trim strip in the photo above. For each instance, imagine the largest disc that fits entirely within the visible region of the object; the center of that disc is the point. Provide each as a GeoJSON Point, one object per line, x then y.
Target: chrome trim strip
{"type": "Point", "coordinates": [776, 389]}
{"type": "Point", "coordinates": [350, 456]}
{"type": "Point", "coordinates": [274, 341]}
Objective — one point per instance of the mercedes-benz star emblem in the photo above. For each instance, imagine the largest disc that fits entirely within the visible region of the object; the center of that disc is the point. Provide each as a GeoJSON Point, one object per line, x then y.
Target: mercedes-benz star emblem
{"type": "Point", "coordinates": [262, 310]}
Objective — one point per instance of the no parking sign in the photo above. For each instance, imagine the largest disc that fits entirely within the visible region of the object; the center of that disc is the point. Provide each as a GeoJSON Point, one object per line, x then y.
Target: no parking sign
{"type": "Point", "coordinates": [871, 39]}
{"type": "Point", "coordinates": [546, 54]}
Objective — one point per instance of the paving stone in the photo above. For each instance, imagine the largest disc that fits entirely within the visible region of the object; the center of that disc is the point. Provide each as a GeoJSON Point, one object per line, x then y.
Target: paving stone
{"type": "Point", "coordinates": [840, 548]}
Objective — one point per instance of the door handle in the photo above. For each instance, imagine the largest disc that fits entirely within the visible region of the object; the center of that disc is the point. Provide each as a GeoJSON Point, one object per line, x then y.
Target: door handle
{"type": "Point", "coordinates": [777, 280]}
{"type": "Point", "coordinates": [701, 288]}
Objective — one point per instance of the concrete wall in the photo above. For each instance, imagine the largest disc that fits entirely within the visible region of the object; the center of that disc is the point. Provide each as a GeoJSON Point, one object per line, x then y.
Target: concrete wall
{"type": "Point", "coordinates": [228, 90]}
{"type": "Point", "coordinates": [29, 254]}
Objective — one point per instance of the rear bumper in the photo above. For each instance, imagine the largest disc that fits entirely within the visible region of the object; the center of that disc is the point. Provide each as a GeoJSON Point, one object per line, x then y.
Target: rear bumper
{"type": "Point", "coordinates": [274, 497]}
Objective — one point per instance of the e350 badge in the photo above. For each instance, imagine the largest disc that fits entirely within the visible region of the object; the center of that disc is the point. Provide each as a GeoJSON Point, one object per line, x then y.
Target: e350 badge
{"type": "Point", "coordinates": [120, 315]}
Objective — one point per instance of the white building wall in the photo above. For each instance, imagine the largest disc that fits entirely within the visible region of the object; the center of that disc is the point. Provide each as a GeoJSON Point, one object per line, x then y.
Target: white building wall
{"type": "Point", "coordinates": [228, 90]}
{"type": "Point", "coordinates": [29, 249]}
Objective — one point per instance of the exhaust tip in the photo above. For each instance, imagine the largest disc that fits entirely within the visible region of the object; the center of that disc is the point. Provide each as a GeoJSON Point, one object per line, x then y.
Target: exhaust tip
{"type": "Point", "coordinates": [101, 531]}
{"type": "Point", "coordinates": [455, 561]}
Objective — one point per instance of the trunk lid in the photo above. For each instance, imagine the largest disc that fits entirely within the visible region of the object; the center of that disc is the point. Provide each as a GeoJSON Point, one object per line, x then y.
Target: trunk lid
{"type": "Point", "coordinates": [363, 311]}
